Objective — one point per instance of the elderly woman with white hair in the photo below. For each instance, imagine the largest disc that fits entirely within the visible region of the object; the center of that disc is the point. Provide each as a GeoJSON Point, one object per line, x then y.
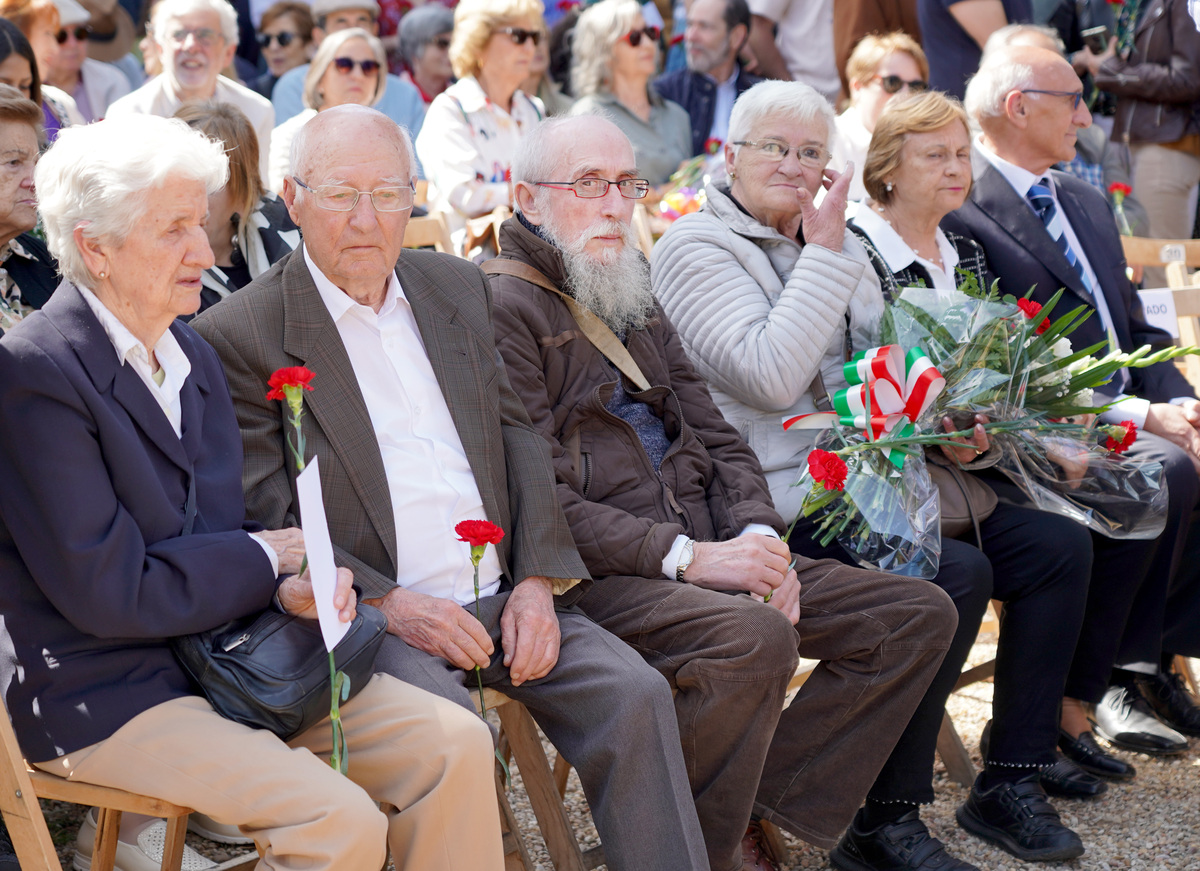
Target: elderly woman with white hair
{"type": "Point", "coordinates": [122, 525]}
{"type": "Point", "coordinates": [473, 129]}
{"type": "Point", "coordinates": [614, 56]}
{"type": "Point", "coordinates": [349, 67]}
{"type": "Point", "coordinates": [771, 295]}
{"type": "Point", "coordinates": [425, 36]}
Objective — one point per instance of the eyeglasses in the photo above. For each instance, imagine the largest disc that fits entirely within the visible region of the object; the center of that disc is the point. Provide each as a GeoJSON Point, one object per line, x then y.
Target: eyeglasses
{"type": "Point", "coordinates": [811, 156]}
{"type": "Point", "coordinates": [337, 198]}
{"type": "Point", "coordinates": [590, 188]}
{"type": "Point", "coordinates": [443, 43]}
{"type": "Point", "coordinates": [80, 33]}
{"type": "Point", "coordinates": [893, 84]}
{"type": "Point", "coordinates": [347, 64]}
{"type": "Point", "coordinates": [519, 35]}
{"type": "Point", "coordinates": [284, 38]}
{"type": "Point", "coordinates": [1076, 96]}
{"type": "Point", "coordinates": [203, 36]}
{"type": "Point", "coordinates": [634, 37]}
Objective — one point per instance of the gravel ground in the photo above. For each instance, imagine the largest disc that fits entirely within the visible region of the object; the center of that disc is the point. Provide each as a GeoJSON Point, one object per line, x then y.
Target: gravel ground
{"type": "Point", "coordinates": [1152, 822]}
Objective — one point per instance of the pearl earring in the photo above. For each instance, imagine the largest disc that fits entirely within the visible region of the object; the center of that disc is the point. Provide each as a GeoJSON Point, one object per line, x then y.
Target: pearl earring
{"type": "Point", "coordinates": [732, 176]}
{"type": "Point", "coordinates": [888, 187]}
{"type": "Point", "coordinates": [103, 275]}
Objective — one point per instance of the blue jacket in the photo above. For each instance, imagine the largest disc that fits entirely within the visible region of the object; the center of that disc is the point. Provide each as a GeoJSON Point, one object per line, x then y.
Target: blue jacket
{"type": "Point", "coordinates": [697, 93]}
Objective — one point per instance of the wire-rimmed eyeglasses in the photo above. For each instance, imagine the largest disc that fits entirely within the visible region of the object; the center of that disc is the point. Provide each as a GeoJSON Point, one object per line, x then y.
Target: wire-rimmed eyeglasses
{"type": "Point", "coordinates": [341, 198]}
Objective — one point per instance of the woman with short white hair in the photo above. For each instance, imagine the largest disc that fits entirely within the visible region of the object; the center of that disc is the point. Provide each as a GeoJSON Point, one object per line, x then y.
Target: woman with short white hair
{"type": "Point", "coordinates": [614, 56]}
{"type": "Point", "coordinates": [349, 67]}
{"type": "Point", "coordinates": [123, 525]}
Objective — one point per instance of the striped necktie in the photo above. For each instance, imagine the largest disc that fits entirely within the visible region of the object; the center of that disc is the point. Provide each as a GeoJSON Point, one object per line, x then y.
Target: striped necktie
{"type": "Point", "coordinates": [1043, 203]}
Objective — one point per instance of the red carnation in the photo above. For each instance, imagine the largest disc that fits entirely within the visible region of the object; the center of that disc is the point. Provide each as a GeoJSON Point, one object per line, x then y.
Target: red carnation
{"type": "Point", "coordinates": [828, 468]}
{"type": "Point", "coordinates": [289, 376]}
{"type": "Point", "coordinates": [1120, 437]}
{"type": "Point", "coordinates": [1121, 188]}
{"type": "Point", "coordinates": [479, 533]}
{"type": "Point", "coordinates": [1031, 310]}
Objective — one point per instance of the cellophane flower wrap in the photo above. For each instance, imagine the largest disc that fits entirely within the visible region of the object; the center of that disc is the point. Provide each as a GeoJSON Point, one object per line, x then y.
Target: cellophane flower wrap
{"type": "Point", "coordinates": [1012, 361]}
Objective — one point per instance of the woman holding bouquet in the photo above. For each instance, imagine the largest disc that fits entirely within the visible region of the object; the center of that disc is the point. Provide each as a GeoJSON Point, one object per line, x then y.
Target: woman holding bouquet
{"type": "Point", "coordinates": [770, 295]}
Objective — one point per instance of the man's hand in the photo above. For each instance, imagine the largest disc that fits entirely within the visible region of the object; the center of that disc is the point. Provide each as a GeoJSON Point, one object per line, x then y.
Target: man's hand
{"type": "Point", "coordinates": [1177, 424]}
{"type": "Point", "coordinates": [971, 447]}
{"type": "Point", "coordinates": [288, 545]}
{"type": "Point", "coordinates": [754, 563]}
{"type": "Point", "coordinates": [1091, 61]}
{"type": "Point", "coordinates": [296, 596]}
{"type": "Point", "coordinates": [1069, 456]}
{"type": "Point", "coordinates": [529, 632]}
{"type": "Point", "coordinates": [440, 627]}
{"type": "Point", "coordinates": [826, 226]}
{"type": "Point", "coordinates": [787, 598]}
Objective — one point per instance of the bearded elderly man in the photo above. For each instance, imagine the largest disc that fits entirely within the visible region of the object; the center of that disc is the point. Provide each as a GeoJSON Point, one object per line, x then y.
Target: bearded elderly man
{"type": "Point", "coordinates": [417, 429]}
{"type": "Point", "coordinates": [674, 520]}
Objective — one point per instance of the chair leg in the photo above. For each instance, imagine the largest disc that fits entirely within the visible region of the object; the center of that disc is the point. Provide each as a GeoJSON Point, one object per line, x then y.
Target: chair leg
{"type": "Point", "coordinates": [562, 770]}
{"type": "Point", "coordinates": [954, 755]}
{"type": "Point", "coordinates": [104, 850]}
{"type": "Point", "coordinates": [516, 855]}
{"type": "Point", "coordinates": [173, 850]}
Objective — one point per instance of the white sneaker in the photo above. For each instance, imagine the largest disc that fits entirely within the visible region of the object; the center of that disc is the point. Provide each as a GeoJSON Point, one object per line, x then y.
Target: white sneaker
{"type": "Point", "coordinates": [222, 833]}
{"type": "Point", "coordinates": [145, 855]}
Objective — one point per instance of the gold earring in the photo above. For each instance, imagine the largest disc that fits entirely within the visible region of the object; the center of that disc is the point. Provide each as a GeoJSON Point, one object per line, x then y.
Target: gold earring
{"type": "Point", "coordinates": [732, 175]}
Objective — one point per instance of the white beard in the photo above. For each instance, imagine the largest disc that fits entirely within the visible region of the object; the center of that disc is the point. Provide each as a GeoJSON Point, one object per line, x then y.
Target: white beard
{"type": "Point", "coordinates": [615, 285]}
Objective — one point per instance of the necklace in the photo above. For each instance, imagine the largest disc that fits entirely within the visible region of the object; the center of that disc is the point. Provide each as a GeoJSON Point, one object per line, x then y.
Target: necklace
{"type": "Point", "coordinates": [936, 259]}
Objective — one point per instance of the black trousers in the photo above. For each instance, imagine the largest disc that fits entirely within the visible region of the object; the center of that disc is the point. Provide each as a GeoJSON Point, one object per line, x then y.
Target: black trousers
{"type": "Point", "coordinates": [1038, 565]}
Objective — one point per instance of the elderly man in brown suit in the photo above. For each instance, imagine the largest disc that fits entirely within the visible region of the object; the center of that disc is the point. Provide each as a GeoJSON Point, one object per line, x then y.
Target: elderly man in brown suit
{"type": "Point", "coordinates": [416, 429]}
{"type": "Point", "coordinates": [674, 519]}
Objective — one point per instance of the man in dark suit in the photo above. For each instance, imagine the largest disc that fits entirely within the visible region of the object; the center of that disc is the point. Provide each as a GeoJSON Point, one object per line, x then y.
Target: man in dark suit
{"type": "Point", "coordinates": [417, 428]}
{"type": "Point", "coordinates": [714, 78]}
{"type": "Point", "coordinates": [1044, 229]}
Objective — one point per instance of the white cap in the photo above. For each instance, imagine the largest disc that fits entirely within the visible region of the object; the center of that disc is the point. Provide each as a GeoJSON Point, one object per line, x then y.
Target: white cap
{"type": "Point", "coordinates": [71, 12]}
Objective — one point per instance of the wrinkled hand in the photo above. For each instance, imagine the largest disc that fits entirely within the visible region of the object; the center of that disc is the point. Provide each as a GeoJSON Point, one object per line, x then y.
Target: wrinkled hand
{"type": "Point", "coordinates": [972, 447]}
{"type": "Point", "coordinates": [754, 563]}
{"type": "Point", "coordinates": [529, 631]}
{"type": "Point", "coordinates": [296, 596]}
{"type": "Point", "coordinates": [786, 599]}
{"type": "Point", "coordinates": [826, 226]}
{"type": "Point", "coordinates": [1092, 62]}
{"type": "Point", "coordinates": [1070, 457]}
{"type": "Point", "coordinates": [288, 545]}
{"type": "Point", "coordinates": [1177, 424]}
{"type": "Point", "coordinates": [440, 627]}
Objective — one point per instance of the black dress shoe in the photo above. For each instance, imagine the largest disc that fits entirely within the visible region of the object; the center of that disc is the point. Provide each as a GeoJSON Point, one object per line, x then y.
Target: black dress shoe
{"type": "Point", "coordinates": [1065, 779]}
{"type": "Point", "coordinates": [903, 845]}
{"type": "Point", "coordinates": [1017, 816]}
{"type": "Point", "coordinates": [1088, 755]}
{"type": "Point", "coordinates": [1125, 719]}
{"type": "Point", "coordinates": [1171, 701]}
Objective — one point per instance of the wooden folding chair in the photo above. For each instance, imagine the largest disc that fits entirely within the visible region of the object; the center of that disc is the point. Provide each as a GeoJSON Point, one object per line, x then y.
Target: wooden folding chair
{"type": "Point", "coordinates": [22, 786]}
{"type": "Point", "coordinates": [642, 229]}
{"type": "Point", "coordinates": [430, 231]}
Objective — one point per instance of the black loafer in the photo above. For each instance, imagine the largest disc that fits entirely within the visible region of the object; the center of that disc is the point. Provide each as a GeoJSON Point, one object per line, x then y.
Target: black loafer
{"type": "Point", "coordinates": [903, 845]}
{"type": "Point", "coordinates": [1171, 701]}
{"type": "Point", "coordinates": [1088, 755]}
{"type": "Point", "coordinates": [1065, 779]}
{"type": "Point", "coordinates": [1017, 817]}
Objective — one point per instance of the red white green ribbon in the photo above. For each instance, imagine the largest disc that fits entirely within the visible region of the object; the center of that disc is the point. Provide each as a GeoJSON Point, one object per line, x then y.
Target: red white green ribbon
{"type": "Point", "coordinates": [888, 391]}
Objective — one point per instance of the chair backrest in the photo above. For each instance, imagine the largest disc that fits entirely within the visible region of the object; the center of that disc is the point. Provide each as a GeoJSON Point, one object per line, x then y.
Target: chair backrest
{"type": "Point", "coordinates": [1160, 252]}
{"type": "Point", "coordinates": [641, 229]}
{"type": "Point", "coordinates": [19, 803]}
{"type": "Point", "coordinates": [429, 231]}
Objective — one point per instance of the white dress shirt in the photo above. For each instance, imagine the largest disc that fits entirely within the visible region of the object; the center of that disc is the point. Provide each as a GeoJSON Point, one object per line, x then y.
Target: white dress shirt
{"type": "Point", "coordinates": [726, 96]}
{"type": "Point", "coordinates": [1126, 407]}
{"type": "Point", "coordinates": [175, 368]}
{"type": "Point", "coordinates": [429, 477]}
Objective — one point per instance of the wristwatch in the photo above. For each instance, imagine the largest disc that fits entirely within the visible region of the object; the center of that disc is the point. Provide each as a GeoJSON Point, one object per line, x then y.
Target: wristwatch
{"type": "Point", "coordinates": [685, 558]}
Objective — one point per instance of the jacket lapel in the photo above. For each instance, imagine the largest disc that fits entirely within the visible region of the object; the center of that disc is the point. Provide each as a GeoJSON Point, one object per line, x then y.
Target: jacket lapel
{"type": "Point", "coordinates": [996, 198]}
{"type": "Point", "coordinates": [310, 335]}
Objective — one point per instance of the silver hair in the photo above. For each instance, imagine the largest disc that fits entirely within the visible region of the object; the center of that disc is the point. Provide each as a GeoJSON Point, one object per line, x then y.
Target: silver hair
{"type": "Point", "coordinates": [595, 34]}
{"type": "Point", "coordinates": [101, 177]}
{"type": "Point", "coordinates": [325, 55]}
{"type": "Point", "coordinates": [300, 142]}
{"type": "Point", "coordinates": [996, 79]}
{"type": "Point", "coordinates": [794, 100]}
{"type": "Point", "coordinates": [537, 159]}
{"type": "Point", "coordinates": [1009, 34]}
{"type": "Point", "coordinates": [168, 9]}
{"type": "Point", "coordinates": [419, 27]}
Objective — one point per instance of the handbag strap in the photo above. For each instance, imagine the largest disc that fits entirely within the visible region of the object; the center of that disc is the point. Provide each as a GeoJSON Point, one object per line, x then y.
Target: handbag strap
{"type": "Point", "coordinates": [596, 331]}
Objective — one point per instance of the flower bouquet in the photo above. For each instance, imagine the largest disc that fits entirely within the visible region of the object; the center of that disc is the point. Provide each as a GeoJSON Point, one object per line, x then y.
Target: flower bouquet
{"type": "Point", "coordinates": [685, 187]}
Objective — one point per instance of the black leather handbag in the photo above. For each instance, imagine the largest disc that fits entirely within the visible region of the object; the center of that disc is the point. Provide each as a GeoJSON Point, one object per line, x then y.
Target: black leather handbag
{"type": "Point", "coordinates": [271, 670]}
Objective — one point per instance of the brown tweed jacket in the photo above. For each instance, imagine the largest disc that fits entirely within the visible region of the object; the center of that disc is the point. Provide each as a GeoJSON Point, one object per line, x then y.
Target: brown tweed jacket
{"type": "Point", "coordinates": [279, 320]}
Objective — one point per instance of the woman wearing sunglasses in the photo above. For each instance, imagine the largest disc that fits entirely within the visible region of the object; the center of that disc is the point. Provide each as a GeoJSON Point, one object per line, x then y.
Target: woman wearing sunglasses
{"type": "Point", "coordinates": [32, 48]}
{"type": "Point", "coordinates": [285, 36]}
{"type": "Point", "coordinates": [93, 85]}
{"type": "Point", "coordinates": [474, 128]}
{"type": "Point", "coordinates": [879, 69]}
{"type": "Point", "coordinates": [615, 56]}
{"type": "Point", "coordinates": [349, 67]}
{"type": "Point", "coordinates": [425, 35]}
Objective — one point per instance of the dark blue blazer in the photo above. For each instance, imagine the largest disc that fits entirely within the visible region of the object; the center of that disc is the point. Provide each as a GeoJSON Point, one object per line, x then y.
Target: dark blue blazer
{"type": "Point", "coordinates": [1023, 255]}
{"type": "Point", "coordinates": [93, 486]}
{"type": "Point", "coordinates": [698, 94]}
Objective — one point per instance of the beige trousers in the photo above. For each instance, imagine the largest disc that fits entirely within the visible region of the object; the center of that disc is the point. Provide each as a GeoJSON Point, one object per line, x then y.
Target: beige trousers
{"type": "Point", "coordinates": [428, 762]}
